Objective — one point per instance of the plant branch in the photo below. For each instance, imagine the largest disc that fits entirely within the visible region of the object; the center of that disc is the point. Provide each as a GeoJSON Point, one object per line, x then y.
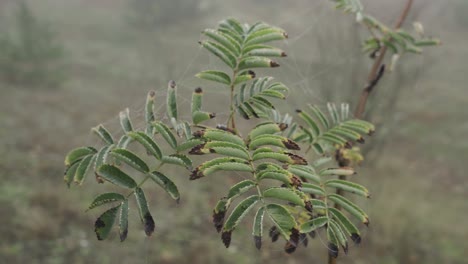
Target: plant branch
{"type": "Point", "coordinates": [231, 118]}
{"type": "Point", "coordinates": [375, 74]}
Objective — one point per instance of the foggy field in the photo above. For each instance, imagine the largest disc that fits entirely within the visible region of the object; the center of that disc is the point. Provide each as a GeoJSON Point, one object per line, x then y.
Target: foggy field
{"type": "Point", "coordinates": [415, 166]}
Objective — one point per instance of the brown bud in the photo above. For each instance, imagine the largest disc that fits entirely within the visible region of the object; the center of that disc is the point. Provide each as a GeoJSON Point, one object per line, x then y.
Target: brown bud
{"type": "Point", "coordinates": [258, 242]}
{"type": "Point", "coordinates": [218, 220]}
{"type": "Point", "coordinates": [274, 64]}
{"type": "Point", "coordinates": [172, 84]}
{"type": "Point", "coordinates": [289, 144]}
{"type": "Point", "coordinates": [226, 237]}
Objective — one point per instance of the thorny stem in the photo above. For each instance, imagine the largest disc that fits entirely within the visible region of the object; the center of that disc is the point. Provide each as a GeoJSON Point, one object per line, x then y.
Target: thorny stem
{"type": "Point", "coordinates": [372, 79]}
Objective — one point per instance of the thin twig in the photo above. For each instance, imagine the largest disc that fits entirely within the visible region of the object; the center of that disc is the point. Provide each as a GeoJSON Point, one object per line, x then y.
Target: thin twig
{"type": "Point", "coordinates": [377, 65]}
{"type": "Point", "coordinates": [375, 74]}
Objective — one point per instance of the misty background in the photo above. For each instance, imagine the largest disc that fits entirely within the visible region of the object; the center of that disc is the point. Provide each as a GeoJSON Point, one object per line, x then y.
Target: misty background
{"type": "Point", "coordinates": [69, 65]}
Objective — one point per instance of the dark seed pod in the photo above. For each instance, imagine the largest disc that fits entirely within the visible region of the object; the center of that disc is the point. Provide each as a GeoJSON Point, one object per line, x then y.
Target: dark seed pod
{"type": "Point", "coordinates": [289, 248]}
{"type": "Point", "coordinates": [356, 238]}
{"type": "Point", "coordinates": [332, 250]}
{"type": "Point", "coordinates": [274, 234]}
{"type": "Point", "coordinates": [226, 237]}
{"type": "Point", "coordinates": [258, 242]}
{"type": "Point", "coordinates": [312, 234]}
{"type": "Point", "coordinates": [218, 220]}
{"type": "Point", "coordinates": [303, 238]}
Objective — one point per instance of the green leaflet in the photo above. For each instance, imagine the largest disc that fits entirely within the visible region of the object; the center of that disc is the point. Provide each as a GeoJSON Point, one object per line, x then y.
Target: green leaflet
{"type": "Point", "coordinates": [224, 39]}
{"type": "Point", "coordinates": [145, 215]}
{"type": "Point", "coordinates": [78, 154]}
{"type": "Point", "coordinates": [263, 51]}
{"type": "Point", "coordinates": [312, 189]}
{"type": "Point", "coordinates": [343, 171]}
{"type": "Point", "coordinates": [83, 169]}
{"type": "Point", "coordinates": [265, 35]}
{"type": "Point", "coordinates": [101, 156]}
{"type": "Point", "coordinates": [320, 116]}
{"type": "Point", "coordinates": [310, 123]}
{"type": "Point", "coordinates": [199, 116]}
{"type": "Point", "coordinates": [284, 194]}
{"type": "Point", "coordinates": [216, 76]}
{"type": "Point", "coordinates": [124, 141]}
{"type": "Point", "coordinates": [344, 221]}
{"type": "Point", "coordinates": [266, 128]}
{"type": "Point", "coordinates": [222, 148]}
{"type": "Point", "coordinates": [103, 133]}
{"type": "Point", "coordinates": [240, 188]}
{"type": "Point", "coordinates": [232, 24]}
{"type": "Point", "coordinates": [427, 42]}
{"type": "Point", "coordinates": [187, 130]}
{"type": "Point", "coordinates": [123, 220]}
{"type": "Point", "coordinates": [166, 184]}
{"type": "Point", "coordinates": [197, 100]}
{"type": "Point", "coordinates": [125, 121]}
{"type": "Point", "coordinates": [106, 198]}
{"type": "Point", "coordinates": [348, 187]}
{"type": "Point", "coordinates": [244, 77]}
{"type": "Point", "coordinates": [236, 216]}
{"type": "Point", "coordinates": [131, 159]}
{"type": "Point", "coordinates": [166, 133]}
{"type": "Point", "coordinates": [221, 52]}
{"type": "Point", "coordinates": [347, 133]}
{"type": "Point", "coordinates": [104, 223]}
{"type": "Point", "coordinates": [149, 112]}
{"type": "Point", "coordinates": [333, 113]}
{"type": "Point", "coordinates": [333, 140]}
{"type": "Point", "coordinates": [340, 236]}
{"type": "Point", "coordinates": [219, 213]}
{"type": "Point", "coordinates": [224, 163]}
{"type": "Point", "coordinates": [305, 172]}
{"type": "Point", "coordinates": [282, 219]}
{"type": "Point", "coordinates": [220, 135]}
{"type": "Point", "coordinates": [257, 26]}
{"type": "Point", "coordinates": [273, 140]}
{"type": "Point", "coordinates": [239, 212]}
{"type": "Point", "coordinates": [350, 207]}
{"type": "Point", "coordinates": [70, 173]}
{"type": "Point", "coordinates": [313, 224]}
{"type": "Point", "coordinates": [281, 176]}
{"type": "Point", "coordinates": [257, 230]}
{"type": "Point", "coordinates": [171, 103]}
{"type": "Point", "coordinates": [217, 161]}
{"type": "Point", "coordinates": [178, 159]}
{"type": "Point", "coordinates": [390, 45]}
{"type": "Point", "coordinates": [318, 204]}
{"type": "Point", "coordinates": [227, 166]}
{"type": "Point", "coordinates": [321, 161]}
{"type": "Point", "coordinates": [257, 62]}
{"type": "Point", "coordinates": [359, 126]}
{"type": "Point", "coordinates": [116, 176]}
{"type": "Point", "coordinates": [191, 143]}
{"type": "Point", "coordinates": [147, 142]}
{"type": "Point", "coordinates": [285, 157]}
{"type": "Point", "coordinates": [332, 243]}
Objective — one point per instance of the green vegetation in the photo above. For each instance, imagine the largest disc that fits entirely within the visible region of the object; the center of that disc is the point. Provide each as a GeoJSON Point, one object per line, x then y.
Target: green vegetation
{"type": "Point", "coordinates": [113, 66]}
{"type": "Point", "coordinates": [292, 188]}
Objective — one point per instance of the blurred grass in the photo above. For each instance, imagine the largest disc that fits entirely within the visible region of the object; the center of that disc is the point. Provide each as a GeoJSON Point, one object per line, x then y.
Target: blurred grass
{"type": "Point", "coordinates": [418, 180]}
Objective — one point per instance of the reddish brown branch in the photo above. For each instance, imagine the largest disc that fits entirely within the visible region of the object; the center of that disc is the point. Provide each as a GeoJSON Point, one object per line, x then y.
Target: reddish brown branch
{"type": "Point", "coordinates": [375, 74]}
